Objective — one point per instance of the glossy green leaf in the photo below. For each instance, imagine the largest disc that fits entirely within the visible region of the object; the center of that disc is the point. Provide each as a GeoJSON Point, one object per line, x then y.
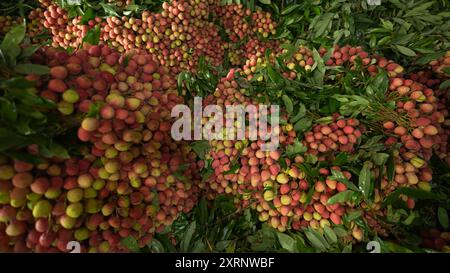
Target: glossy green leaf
{"type": "Point", "coordinates": [340, 197]}
{"type": "Point", "coordinates": [444, 84]}
{"type": "Point", "coordinates": [390, 168]}
{"type": "Point", "coordinates": [186, 241]}
{"type": "Point", "coordinates": [301, 113]}
{"type": "Point", "coordinates": [201, 148]}
{"type": "Point", "coordinates": [414, 193]}
{"type": "Point", "coordinates": [8, 111]}
{"type": "Point", "coordinates": [286, 242]}
{"type": "Point", "coordinates": [339, 176]}
{"type": "Point", "coordinates": [156, 246]}
{"type": "Point", "coordinates": [443, 217]}
{"type": "Point", "coordinates": [405, 51]}
{"type": "Point", "coordinates": [316, 239]}
{"type": "Point", "coordinates": [290, 9]}
{"type": "Point", "coordinates": [26, 69]}
{"type": "Point", "coordinates": [365, 181]}
{"type": "Point", "coordinates": [288, 104]}
{"type": "Point", "coordinates": [130, 243]}
{"type": "Point", "coordinates": [330, 235]}
{"type": "Point", "coordinates": [303, 124]}
{"type": "Point", "coordinates": [92, 37]}
{"type": "Point", "coordinates": [88, 15]}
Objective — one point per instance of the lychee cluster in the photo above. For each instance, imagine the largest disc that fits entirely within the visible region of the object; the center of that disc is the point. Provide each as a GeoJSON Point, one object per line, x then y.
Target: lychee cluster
{"type": "Point", "coordinates": [442, 63]}
{"type": "Point", "coordinates": [420, 113]}
{"type": "Point", "coordinates": [283, 202]}
{"type": "Point", "coordinates": [132, 178]}
{"type": "Point", "coordinates": [240, 23]}
{"type": "Point", "coordinates": [436, 239]}
{"type": "Point", "coordinates": [178, 35]}
{"type": "Point", "coordinates": [66, 32]}
{"type": "Point", "coordinates": [422, 131]}
{"type": "Point", "coordinates": [6, 22]}
{"type": "Point", "coordinates": [340, 135]}
{"type": "Point", "coordinates": [35, 26]}
{"type": "Point", "coordinates": [277, 190]}
{"type": "Point", "coordinates": [254, 55]}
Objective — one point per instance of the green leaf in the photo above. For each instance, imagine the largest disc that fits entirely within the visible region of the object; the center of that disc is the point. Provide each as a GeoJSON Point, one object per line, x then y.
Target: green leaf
{"type": "Point", "coordinates": [265, 2]}
{"type": "Point", "coordinates": [324, 120]}
{"type": "Point", "coordinates": [109, 9]}
{"type": "Point", "coordinates": [444, 84]}
{"type": "Point", "coordinates": [201, 148]}
{"type": "Point", "coordinates": [347, 248]}
{"type": "Point", "coordinates": [380, 158]}
{"type": "Point", "coordinates": [23, 126]}
{"type": "Point", "coordinates": [340, 197]}
{"type": "Point", "coordinates": [446, 70]}
{"type": "Point", "coordinates": [322, 23]}
{"type": "Point", "coordinates": [74, 2]}
{"type": "Point", "coordinates": [380, 82]}
{"type": "Point", "coordinates": [222, 245]}
{"type": "Point", "coordinates": [390, 168]}
{"type": "Point", "coordinates": [232, 170]}
{"type": "Point", "coordinates": [330, 235]}
{"type": "Point", "coordinates": [17, 82]}
{"type": "Point", "coordinates": [156, 246]}
{"type": "Point", "coordinates": [340, 232]}
{"type": "Point", "coordinates": [301, 113]}
{"type": "Point", "coordinates": [421, 9]}
{"type": "Point", "coordinates": [26, 69]}
{"type": "Point", "coordinates": [365, 184]}
{"type": "Point", "coordinates": [410, 219]}
{"type": "Point", "coordinates": [311, 159]}
{"type": "Point", "coordinates": [387, 24]}
{"type": "Point", "coordinates": [290, 9]}
{"type": "Point", "coordinates": [88, 15]}
{"type": "Point", "coordinates": [288, 104]}
{"type": "Point", "coordinates": [425, 59]}
{"type": "Point", "coordinates": [133, 8]}
{"type": "Point", "coordinates": [10, 44]}
{"type": "Point", "coordinates": [130, 243]}
{"type": "Point", "coordinates": [303, 124]}
{"type": "Point", "coordinates": [404, 39]}
{"type": "Point", "coordinates": [352, 216]}
{"type": "Point", "coordinates": [405, 51]}
{"type": "Point", "coordinates": [94, 109]}
{"type": "Point", "coordinates": [28, 51]}
{"type": "Point", "coordinates": [186, 241]}
{"type": "Point", "coordinates": [340, 159]}
{"type": "Point", "coordinates": [58, 151]}
{"type": "Point", "coordinates": [11, 140]}
{"type": "Point", "coordinates": [395, 248]}
{"type": "Point", "coordinates": [286, 242]}
{"type": "Point", "coordinates": [179, 176]}
{"type": "Point", "coordinates": [8, 111]}
{"type": "Point", "coordinates": [92, 36]}
{"type": "Point", "coordinates": [414, 193]}
{"type": "Point", "coordinates": [26, 157]}
{"type": "Point", "coordinates": [14, 36]}
{"type": "Point", "coordinates": [319, 63]}
{"type": "Point", "coordinates": [316, 240]}
{"type": "Point", "coordinates": [339, 176]}
{"type": "Point", "coordinates": [295, 148]}
{"type": "Point", "coordinates": [443, 217]}
{"type": "Point", "coordinates": [274, 76]}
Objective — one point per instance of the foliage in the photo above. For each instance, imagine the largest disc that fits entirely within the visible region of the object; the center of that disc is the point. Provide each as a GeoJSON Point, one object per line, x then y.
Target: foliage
{"type": "Point", "coordinates": [25, 117]}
